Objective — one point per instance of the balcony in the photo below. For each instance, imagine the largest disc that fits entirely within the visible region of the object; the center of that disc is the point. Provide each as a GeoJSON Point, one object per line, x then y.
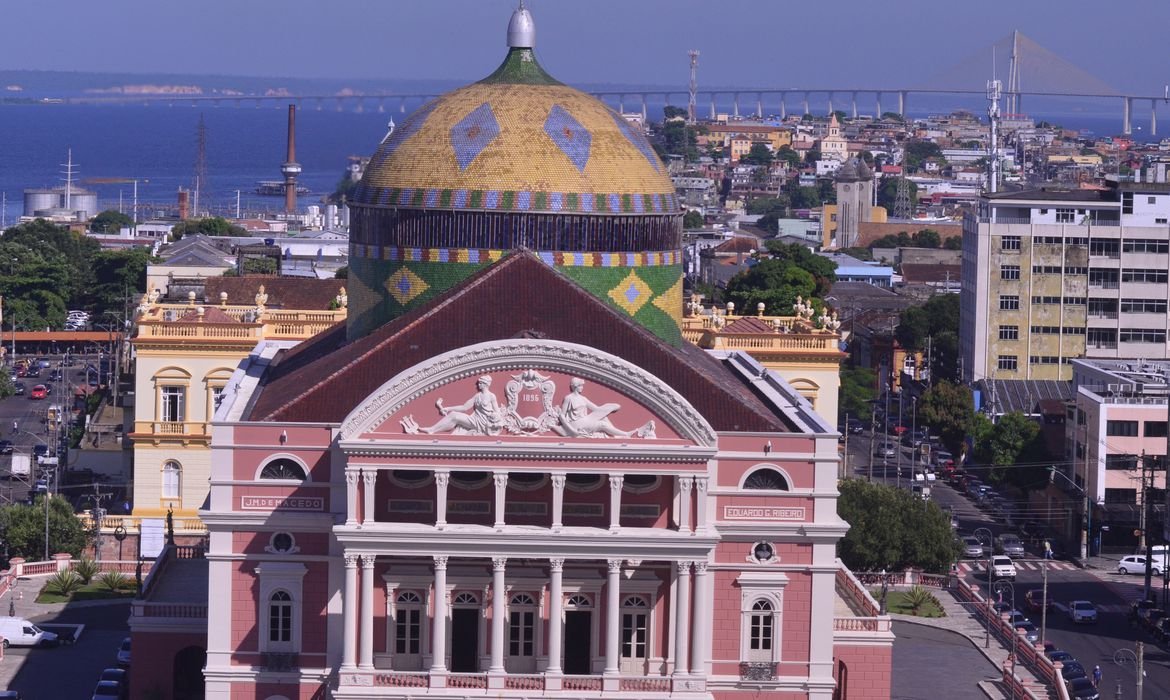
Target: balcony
{"type": "Point", "coordinates": [162, 322]}
{"type": "Point", "coordinates": [160, 430]}
{"type": "Point", "coordinates": [353, 683]}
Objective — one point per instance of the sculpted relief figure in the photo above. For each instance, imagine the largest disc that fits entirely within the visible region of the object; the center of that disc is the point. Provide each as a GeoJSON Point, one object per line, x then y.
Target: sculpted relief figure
{"type": "Point", "coordinates": [580, 417]}
{"type": "Point", "coordinates": [479, 415]}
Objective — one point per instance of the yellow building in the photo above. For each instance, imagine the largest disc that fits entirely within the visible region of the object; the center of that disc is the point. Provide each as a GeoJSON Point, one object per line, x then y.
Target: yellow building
{"type": "Point", "coordinates": [184, 355]}
{"type": "Point", "coordinates": [804, 351]}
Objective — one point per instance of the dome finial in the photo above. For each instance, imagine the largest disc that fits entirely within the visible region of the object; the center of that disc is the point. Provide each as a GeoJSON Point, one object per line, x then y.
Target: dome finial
{"type": "Point", "coordinates": [521, 29]}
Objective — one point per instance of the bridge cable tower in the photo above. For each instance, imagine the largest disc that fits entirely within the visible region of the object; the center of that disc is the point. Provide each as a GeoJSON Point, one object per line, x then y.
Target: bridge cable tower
{"type": "Point", "coordinates": [1013, 88]}
{"type": "Point", "coordinates": [693, 86]}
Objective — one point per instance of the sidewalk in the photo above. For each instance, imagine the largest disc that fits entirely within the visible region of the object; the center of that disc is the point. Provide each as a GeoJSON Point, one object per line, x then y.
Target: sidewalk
{"type": "Point", "coordinates": [959, 619]}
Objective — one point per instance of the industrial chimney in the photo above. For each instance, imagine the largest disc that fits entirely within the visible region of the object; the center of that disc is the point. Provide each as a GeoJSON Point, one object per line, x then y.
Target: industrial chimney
{"type": "Point", "coordinates": [291, 168]}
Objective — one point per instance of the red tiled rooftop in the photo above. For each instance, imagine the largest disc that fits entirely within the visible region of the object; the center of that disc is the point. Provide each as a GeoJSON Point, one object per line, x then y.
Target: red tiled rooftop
{"type": "Point", "coordinates": [324, 378]}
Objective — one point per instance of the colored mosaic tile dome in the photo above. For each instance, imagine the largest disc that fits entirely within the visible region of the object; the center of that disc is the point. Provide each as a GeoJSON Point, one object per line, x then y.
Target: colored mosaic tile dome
{"type": "Point", "coordinates": [516, 160]}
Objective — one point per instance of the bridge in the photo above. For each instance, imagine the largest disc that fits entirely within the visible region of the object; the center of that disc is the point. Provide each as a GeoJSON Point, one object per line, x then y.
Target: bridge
{"type": "Point", "coordinates": [1034, 71]}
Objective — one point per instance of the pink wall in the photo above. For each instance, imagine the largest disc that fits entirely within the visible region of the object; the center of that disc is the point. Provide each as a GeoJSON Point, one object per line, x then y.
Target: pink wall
{"type": "Point", "coordinates": [867, 671]}
{"type": "Point", "coordinates": [154, 657]}
{"type": "Point", "coordinates": [259, 691]}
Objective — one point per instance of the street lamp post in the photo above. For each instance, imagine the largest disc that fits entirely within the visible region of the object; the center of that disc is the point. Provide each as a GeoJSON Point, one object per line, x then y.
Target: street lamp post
{"type": "Point", "coordinates": [914, 435]}
{"type": "Point", "coordinates": [1136, 656]}
{"type": "Point", "coordinates": [980, 534]}
{"type": "Point", "coordinates": [1002, 587]}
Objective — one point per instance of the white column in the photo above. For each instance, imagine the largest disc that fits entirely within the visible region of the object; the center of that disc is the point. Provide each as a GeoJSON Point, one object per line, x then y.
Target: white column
{"type": "Point", "coordinates": [351, 480]}
{"type": "Point", "coordinates": [558, 507]}
{"type": "Point", "coordinates": [556, 569]}
{"type": "Point", "coordinates": [441, 481]}
{"type": "Point", "coordinates": [701, 517]}
{"type": "Point", "coordinates": [369, 479]}
{"type": "Point", "coordinates": [613, 603]}
{"type": "Point", "coordinates": [615, 502]}
{"type": "Point", "coordinates": [366, 650]}
{"type": "Point", "coordinates": [682, 618]}
{"type": "Point", "coordinates": [349, 616]}
{"type": "Point", "coordinates": [501, 481]}
{"type": "Point", "coordinates": [701, 639]}
{"type": "Point", "coordinates": [684, 502]}
{"type": "Point", "coordinates": [499, 614]}
{"type": "Point", "coordinates": [439, 618]}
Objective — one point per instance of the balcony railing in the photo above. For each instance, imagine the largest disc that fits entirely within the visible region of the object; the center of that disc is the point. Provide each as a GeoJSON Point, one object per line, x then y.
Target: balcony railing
{"type": "Point", "coordinates": [171, 428]}
{"type": "Point", "coordinates": [480, 684]}
{"type": "Point", "coordinates": [861, 624]}
{"type": "Point", "coordinates": [189, 611]}
{"type": "Point", "coordinates": [183, 526]}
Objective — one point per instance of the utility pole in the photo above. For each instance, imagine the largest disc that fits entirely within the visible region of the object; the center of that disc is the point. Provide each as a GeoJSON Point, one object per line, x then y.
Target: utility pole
{"type": "Point", "coordinates": [1147, 520]}
{"type": "Point", "coordinates": [1044, 601]}
{"type": "Point", "coordinates": [98, 513]}
{"type": "Point", "coordinates": [1141, 672]}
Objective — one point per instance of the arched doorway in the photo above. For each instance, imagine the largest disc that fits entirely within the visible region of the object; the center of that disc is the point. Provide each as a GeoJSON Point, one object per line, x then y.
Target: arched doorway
{"type": "Point", "coordinates": [188, 674]}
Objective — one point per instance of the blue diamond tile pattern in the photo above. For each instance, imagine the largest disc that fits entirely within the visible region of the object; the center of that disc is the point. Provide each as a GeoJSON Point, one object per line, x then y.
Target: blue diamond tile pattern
{"type": "Point", "coordinates": [569, 136]}
{"type": "Point", "coordinates": [638, 140]}
{"type": "Point", "coordinates": [473, 133]}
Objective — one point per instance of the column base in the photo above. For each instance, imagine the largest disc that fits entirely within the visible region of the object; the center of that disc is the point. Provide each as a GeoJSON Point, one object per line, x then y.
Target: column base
{"type": "Point", "coordinates": [611, 681]}
{"type": "Point", "coordinates": [552, 680]}
{"type": "Point", "coordinates": [437, 678]}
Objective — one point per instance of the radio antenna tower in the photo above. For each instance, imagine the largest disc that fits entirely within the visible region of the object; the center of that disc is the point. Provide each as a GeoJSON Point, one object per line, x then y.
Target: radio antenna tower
{"type": "Point", "coordinates": [694, 85]}
{"type": "Point", "coordinates": [200, 161]}
{"type": "Point", "coordinates": [993, 92]}
{"type": "Point", "coordinates": [69, 172]}
{"type": "Point", "coordinates": [903, 208]}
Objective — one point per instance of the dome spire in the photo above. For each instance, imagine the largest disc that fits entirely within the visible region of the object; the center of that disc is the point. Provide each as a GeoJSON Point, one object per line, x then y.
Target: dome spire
{"type": "Point", "coordinates": [521, 29]}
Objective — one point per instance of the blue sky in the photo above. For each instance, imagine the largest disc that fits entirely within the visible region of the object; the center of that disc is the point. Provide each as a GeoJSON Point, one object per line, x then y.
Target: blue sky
{"type": "Point", "coordinates": [745, 42]}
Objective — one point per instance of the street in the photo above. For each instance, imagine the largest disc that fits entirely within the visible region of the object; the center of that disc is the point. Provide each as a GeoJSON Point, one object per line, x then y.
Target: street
{"type": "Point", "coordinates": [1112, 593]}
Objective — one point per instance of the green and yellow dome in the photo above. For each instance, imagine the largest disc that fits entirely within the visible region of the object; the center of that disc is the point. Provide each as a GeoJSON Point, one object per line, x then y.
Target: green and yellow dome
{"type": "Point", "coordinates": [516, 160]}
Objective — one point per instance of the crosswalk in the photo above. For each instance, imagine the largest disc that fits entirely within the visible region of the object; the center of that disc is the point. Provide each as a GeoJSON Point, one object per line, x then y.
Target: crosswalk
{"type": "Point", "coordinates": [1037, 565]}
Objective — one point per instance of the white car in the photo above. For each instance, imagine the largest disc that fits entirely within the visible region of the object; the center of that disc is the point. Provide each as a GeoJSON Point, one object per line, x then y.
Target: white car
{"type": "Point", "coordinates": [1136, 563]}
{"type": "Point", "coordinates": [1082, 611]}
{"type": "Point", "coordinates": [1002, 567]}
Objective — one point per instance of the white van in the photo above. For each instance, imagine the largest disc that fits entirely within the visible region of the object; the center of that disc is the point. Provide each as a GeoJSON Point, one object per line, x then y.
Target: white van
{"type": "Point", "coordinates": [19, 632]}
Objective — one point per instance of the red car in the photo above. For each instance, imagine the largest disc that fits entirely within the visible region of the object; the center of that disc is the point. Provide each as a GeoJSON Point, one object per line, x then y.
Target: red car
{"type": "Point", "coordinates": [38, 392]}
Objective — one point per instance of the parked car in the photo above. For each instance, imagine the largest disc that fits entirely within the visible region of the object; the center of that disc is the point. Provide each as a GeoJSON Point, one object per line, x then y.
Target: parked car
{"type": "Point", "coordinates": [19, 632]}
{"type": "Point", "coordinates": [1011, 545]}
{"type": "Point", "coordinates": [1002, 567]}
{"type": "Point", "coordinates": [1082, 611]}
{"type": "Point", "coordinates": [1060, 655]}
{"type": "Point", "coordinates": [1072, 669]}
{"type": "Point", "coordinates": [1082, 689]}
{"type": "Point", "coordinates": [106, 690]}
{"type": "Point", "coordinates": [119, 675]}
{"type": "Point", "coordinates": [124, 653]}
{"type": "Point", "coordinates": [1136, 563]}
{"type": "Point", "coordinates": [1030, 632]}
{"type": "Point", "coordinates": [6, 447]}
{"type": "Point", "coordinates": [18, 388]}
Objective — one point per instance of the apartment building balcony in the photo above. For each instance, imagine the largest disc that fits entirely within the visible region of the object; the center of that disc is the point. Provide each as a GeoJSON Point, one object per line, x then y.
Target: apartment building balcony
{"type": "Point", "coordinates": [159, 431]}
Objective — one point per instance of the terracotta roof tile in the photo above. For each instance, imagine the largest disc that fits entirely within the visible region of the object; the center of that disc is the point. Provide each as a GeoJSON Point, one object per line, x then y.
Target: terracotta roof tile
{"type": "Point", "coordinates": [210, 315]}
{"type": "Point", "coordinates": [296, 293]}
{"type": "Point", "coordinates": [324, 378]}
{"type": "Point", "coordinates": [749, 324]}
{"type": "Point", "coordinates": [738, 244]}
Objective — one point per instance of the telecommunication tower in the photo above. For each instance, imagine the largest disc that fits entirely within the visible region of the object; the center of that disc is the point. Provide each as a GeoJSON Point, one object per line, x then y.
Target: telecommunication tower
{"type": "Point", "coordinates": [994, 87]}
{"type": "Point", "coordinates": [70, 173]}
{"type": "Point", "coordinates": [694, 86]}
{"type": "Point", "coordinates": [903, 208]}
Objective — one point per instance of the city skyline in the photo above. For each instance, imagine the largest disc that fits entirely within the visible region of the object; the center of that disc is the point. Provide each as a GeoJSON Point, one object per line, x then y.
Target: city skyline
{"type": "Point", "coordinates": [747, 42]}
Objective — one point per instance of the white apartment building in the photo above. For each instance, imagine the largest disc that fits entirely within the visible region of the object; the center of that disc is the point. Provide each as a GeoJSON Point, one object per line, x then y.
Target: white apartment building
{"type": "Point", "coordinates": [1053, 275]}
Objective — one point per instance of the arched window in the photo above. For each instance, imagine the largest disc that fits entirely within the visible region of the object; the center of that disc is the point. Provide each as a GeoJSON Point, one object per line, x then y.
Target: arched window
{"type": "Point", "coordinates": [578, 602]}
{"type": "Point", "coordinates": [760, 633]}
{"type": "Point", "coordinates": [521, 628]}
{"type": "Point", "coordinates": [470, 480]}
{"type": "Point", "coordinates": [466, 599]}
{"type": "Point", "coordinates": [285, 469]}
{"type": "Point", "coordinates": [526, 481]}
{"type": "Point", "coordinates": [408, 623]}
{"type": "Point", "coordinates": [172, 479]}
{"type": "Point", "coordinates": [280, 618]}
{"type": "Point", "coordinates": [582, 482]}
{"type": "Point", "coordinates": [640, 483]}
{"type": "Point", "coordinates": [765, 479]}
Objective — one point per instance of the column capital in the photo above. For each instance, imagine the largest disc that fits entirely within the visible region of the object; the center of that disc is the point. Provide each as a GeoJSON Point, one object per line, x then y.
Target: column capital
{"type": "Point", "coordinates": [700, 567]}
{"type": "Point", "coordinates": [351, 561]}
{"type": "Point", "coordinates": [558, 481]}
{"type": "Point", "coordinates": [351, 477]}
{"type": "Point", "coordinates": [442, 478]}
{"type": "Point", "coordinates": [614, 566]}
{"type": "Point", "coordinates": [440, 563]}
{"type": "Point", "coordinates": [370, 477]}
{"type": "Point", "coordinates": [501, 480]}
{"type": "Point", "coordinates": [683, 567]}
{"type": "Point", "coordinates": [499, 563]}
{"type": "Point", "coordinates": [368, 560]}
{"type": "Point", "coordinates": [685, 482]}
{"type": "Point", "coordinates": [701, 484]}
{"type": "Point", "coordinates": [556, 565]}
{"type": "Point", "coordinates": [615, 482]}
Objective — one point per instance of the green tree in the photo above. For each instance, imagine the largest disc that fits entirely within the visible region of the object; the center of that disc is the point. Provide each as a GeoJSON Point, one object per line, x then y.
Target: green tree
{"type": "Point", "coordinates": [858, 388]}
{"type": "Point", "coordinates": [767, 205]}
{"type": "Point", "coordinates": [918, 151]}
{"type": "Point", "coordinates": [938, 321]}
{"type": "Point", "coordinates": [342, 273]}
{"type": "Point", "coordinates": [692, 220]}
{"type": "Point", "coordinates": [210, 226]}
{"type": "Point", "coordinates": [927, 238]}
{"type": "Point", "coordinates": [860, 253]}
{"type": "Point", "coordinates": [110, 221]}
{"type": "Point", "coordinates": [892, 117]}
{"type": "Point", "coordinates": [805, 198]}
{"type": "Point", "coordinates": [788, 271]}
{"type": "Point", "coordinates": [790, 157]}
{"type": "Point", "coordinates": [953, 243]}
{"type": "Point", "coordinates": [891, 529]}
{"type": "Point", "coordinates": [949, 410]}
{"type": "Point", "coordinates": [812, 156]}
{"type": "Point", "coordinates": [118, 273]}
{"type": "Point", "coordinates": [759, 154]}
{"type": "Point", "coordinates": [671, 112]}
{"type": "Point", "coordinates": [770, 223]}
{"type": "Point", "coordinates": [23, 527]}
{"type": "Point", "coordinates": [1013, 448]}
{"type": "Point", "coordinates": [48, 267]}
